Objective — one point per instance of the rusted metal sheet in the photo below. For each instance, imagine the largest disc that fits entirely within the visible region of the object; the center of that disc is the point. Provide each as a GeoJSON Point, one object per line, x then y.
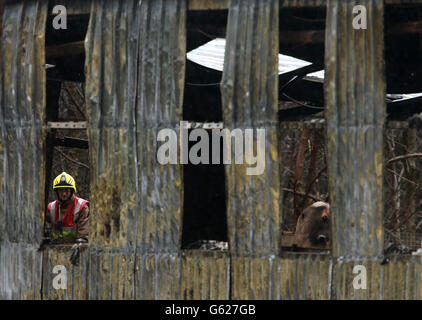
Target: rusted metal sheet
{"type": "Point", "coordinates": [249, 97]}
{"type": "Point", "coordinates": [355, 114]}
{"type": "Point", "coordinates": [205, 275]}
{"type": "Point", "coordinates": [22, 102]}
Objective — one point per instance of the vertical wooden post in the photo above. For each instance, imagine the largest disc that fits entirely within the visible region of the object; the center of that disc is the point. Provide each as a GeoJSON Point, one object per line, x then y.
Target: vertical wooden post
{"type": "Point", "coordinates": [249, 94]}
{"type": "Point", "coordinates": [249, 98]}
{"type": "Point", "coordinates": [22, 158]}
{"type": "Point", "coordinates": [135, 63]}
{"type": "Point", "coordinates": [355, 114]}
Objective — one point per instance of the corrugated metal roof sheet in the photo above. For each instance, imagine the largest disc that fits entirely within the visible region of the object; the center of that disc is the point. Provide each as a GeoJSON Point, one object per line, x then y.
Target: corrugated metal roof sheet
{"type": "Point", "coordinates": [211, 55]}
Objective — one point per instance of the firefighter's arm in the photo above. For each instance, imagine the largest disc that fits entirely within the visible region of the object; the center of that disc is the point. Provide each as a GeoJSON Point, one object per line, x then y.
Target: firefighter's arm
{"type": "Point", "coordinates": [83, 223]}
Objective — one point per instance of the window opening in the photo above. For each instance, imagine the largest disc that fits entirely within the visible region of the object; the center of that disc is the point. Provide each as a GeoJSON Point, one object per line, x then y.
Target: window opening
{"type": "Point", "coordinates": [66, 142]}
{"type": "Point", "coordinates": [204, 212]}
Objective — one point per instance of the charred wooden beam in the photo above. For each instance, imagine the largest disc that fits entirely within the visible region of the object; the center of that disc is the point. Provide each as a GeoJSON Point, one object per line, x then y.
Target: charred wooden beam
{"type": "Point", "coordinates": [66, 49]}
{"type": "Point", "coordinates": [71, 143]}
{"type": "Point", "coordinates": [73, 7]}
{"type": "Point", "coordinates": [303, 37]}
{"type": "Point", "coordinates": [318, 36]}
{"type": "Point", "coordinates": [402, 28]}
{"type": "Point", "coordinates": [319, 123]}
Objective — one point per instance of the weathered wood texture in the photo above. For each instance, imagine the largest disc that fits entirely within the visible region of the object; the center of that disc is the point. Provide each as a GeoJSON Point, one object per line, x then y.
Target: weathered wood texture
{"type": "Point", "coordinates": [355, 114]}
{"type": "Point", "coordinates": [135, 73]}
{"type": "Point", "coordinates": [303, 3]}
{"type": "Point", "coordinates": [73, 7]}
{"type": "Point", "coordinates": [205, 275]}
{"type": "Point", "coordinates": [22, 102]}
{"type": "Point", "coordinates": [208, 4]}
{"type": "Point", "coordinates": [20, 271]}
{"type": "Point", "coordinates": [77, 276]}
{"type": "Point", "coordinates": [249, 97]}
{"type": "Point", "coordinates": [135, 58]}
{"type": "Point", "coordinates": [210, 275]}
{"type": "Point", "coordinates": [402, 1]}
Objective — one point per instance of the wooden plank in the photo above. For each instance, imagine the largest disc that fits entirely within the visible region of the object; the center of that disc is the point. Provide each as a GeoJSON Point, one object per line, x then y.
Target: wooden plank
{"type": "Point", "coordinates": [304, 276]}
{"type": "Point", "coordinates": [77, 275]}
{"type": "Point", "coordinates": [253, 207]}
{"type": "Point", "coordinates": [303, 3]}
{"type": "Point", "coordinates": [67, 125]}
{"type": "Point", "coordinates": [73, 7]}
{"type": "Point", "coordinates": [22, 103]}
{"type": "Point", "coordinates": [205, 275]}
{"type": "Point", "coordinates": [65, 49]}
{"type": "Point", "coordinates": [157, 276]}
{"type": "Point", "coordinates": [208, 4]}
{"type": "Point", "coordinates": [355, 114]}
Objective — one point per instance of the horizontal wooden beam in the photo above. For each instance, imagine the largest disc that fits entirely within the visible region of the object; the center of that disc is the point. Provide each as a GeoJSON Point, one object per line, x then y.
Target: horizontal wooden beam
{"type": "Point", "coordinates": [318, 36]}
{"type": "Point", "coordinates": [203, 125]}
{"type": "Point", "coordinates": [78, 7]}
{"type": "Point", "coordinates": [70, 142]}
{"type": "Point", "coordinates": [320, 123]}
{"type": "Point", "coordinates": [67, 125]}
{"type": "Point", "coordinates": [65, 49]}
{"type": "Point", "coordinates": [73, 7]}
{"type": "Point", "coordinates": [208, 4]}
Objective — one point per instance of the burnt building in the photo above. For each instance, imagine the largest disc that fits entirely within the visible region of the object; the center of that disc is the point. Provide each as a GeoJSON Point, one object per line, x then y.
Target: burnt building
{"type": "Point", "coordinates": [130, 57]}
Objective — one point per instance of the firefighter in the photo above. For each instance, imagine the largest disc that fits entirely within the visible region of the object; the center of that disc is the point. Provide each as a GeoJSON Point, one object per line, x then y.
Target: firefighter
{"type": "Point", "coordinates": [67, 217]}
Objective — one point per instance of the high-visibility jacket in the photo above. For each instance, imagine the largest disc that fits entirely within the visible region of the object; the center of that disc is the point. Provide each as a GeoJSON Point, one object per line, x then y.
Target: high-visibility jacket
{"type": "Point", "coordinates": [68, 230]}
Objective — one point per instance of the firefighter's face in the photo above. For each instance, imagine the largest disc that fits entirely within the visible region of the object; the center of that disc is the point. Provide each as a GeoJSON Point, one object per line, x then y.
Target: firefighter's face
{"type": "Point", "coordinates": [64, 194]}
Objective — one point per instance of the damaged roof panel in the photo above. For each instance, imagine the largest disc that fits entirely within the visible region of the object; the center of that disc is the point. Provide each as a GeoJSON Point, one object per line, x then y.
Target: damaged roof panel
{"type": "Point", "coordinates": [211, 55]}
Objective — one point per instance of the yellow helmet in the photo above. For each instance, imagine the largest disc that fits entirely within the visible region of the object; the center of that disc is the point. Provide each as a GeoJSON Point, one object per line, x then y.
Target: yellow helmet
{"type": "Point", "coordinates": [64, 180]}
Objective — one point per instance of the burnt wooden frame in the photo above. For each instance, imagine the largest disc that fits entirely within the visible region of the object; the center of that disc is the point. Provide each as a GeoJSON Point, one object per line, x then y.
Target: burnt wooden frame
{"type": "Point", "coordinates": [107, 272]}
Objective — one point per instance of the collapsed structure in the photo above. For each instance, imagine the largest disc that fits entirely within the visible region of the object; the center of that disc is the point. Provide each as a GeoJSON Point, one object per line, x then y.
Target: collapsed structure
{"type": "Point", "coordinates": [134, 86]}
